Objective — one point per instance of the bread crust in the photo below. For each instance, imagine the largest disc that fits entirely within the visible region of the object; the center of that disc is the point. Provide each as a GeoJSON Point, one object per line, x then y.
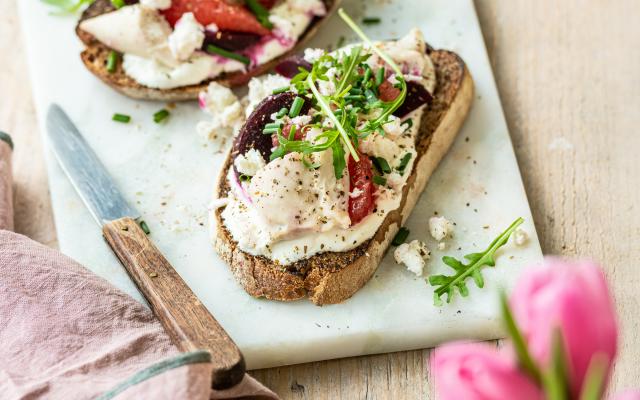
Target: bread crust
{"type": "Point", "coordinates": [332, 277]}
{"type": "Point", "coordinates": [95, 56]}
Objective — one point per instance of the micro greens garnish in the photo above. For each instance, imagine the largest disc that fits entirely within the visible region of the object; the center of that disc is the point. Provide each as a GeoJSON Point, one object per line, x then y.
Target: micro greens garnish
{"type": "Point", "coordinates": [400, 237]}
{"type": "Point", "coordinates": [449, 284]}
{"type": "Point", "coordinates": [117, 3]}
{"type": "Point", "coordinates": [160, 116]}
{"type": "Point", "coordinates": [339, 110]}
{"type": "Point", "coordinates": [381, 165]}
{"type": "Point", "coordinates": [121, 118]}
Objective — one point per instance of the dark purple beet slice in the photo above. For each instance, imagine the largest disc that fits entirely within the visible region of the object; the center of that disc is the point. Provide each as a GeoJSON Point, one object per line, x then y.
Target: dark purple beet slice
{"type": "Point", "coordinates": [289, 66]}
{"type": "Point", "coordinates": [417, 95]}
{"type": "Point", "coordinates": [251, 136]}
{"type": "Point", "coordinates": [228, 40]}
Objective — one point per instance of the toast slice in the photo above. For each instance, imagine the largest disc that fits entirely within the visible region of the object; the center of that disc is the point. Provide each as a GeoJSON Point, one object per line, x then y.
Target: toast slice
{"type": "Point", "coordinates": [332, 277]}
{"type": "Point", "coordinates": [95, 56]}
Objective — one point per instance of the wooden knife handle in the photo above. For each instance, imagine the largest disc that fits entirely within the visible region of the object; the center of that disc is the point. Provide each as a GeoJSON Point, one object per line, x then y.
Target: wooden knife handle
{"type": "Point", "coordinates": [183, 316]}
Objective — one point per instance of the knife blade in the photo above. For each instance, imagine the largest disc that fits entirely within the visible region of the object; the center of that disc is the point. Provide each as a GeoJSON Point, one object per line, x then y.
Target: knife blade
{"type": "Point", "coordinates": [185, 319]}
{"type": "Point", "coordinates": [85, 171]}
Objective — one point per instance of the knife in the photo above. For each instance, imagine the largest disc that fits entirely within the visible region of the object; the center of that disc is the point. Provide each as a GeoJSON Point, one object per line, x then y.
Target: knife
{"type": "Point", "coordinates": [185, 319]}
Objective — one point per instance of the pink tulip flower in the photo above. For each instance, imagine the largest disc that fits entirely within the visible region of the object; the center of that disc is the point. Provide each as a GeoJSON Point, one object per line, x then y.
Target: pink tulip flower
{"type": "Point", "coordinates": [574, 298]}
{"type": "Point", "coordinates": [479, 372]}
{"type": "Point", "coordinates": [628, 395]}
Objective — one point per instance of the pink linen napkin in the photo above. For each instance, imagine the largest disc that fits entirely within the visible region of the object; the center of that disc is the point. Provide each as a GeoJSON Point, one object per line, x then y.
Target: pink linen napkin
{"type": "Point", "coordinates": [66, 333]}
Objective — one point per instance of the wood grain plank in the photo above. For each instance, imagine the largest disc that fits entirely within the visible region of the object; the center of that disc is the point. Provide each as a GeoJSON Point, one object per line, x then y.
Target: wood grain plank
{"type": "Point", "coordinates": [568, 77]}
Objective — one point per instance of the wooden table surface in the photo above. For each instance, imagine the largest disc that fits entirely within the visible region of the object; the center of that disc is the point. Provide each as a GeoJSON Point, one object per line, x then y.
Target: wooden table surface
{"type": "Point", "coordinates": [568, 73]}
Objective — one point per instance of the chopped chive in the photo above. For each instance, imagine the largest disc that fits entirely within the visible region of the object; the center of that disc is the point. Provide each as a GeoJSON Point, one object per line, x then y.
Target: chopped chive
{"type": "Point", "coordinates": [271, 131]}
{"type": "Point", "coordinates": [273, 125]}
{"type": "Point", "coordinates": [296, 107]}
{"type": "Point", "coordinates": [227, 54]}
{"type": "Point", "coordinates": [144, 227]}
{"type": "Point", "coordinates": [379, 180]}
{"type": "Point", "coordinates": [371, 96]}
{"type": "Point", "coordinates": [367, 73]}
{"type": "Point", "coordinates": [244, 178]}
{"type": "Point", "coordinates": [117, 3]}
{"type": "Point", "coordinates": [283, 111]}
{"type": "Point", "coordinates": [112, 62]}
{"type": "Point", "coordinates": [400, 237]}
{"type": "Point", "coordinates": [292, 132]}
{"type": "Point", "coordinates": [404, 162]}
{"type": "Point", "coordinates": [354, 97]}
{"type": "Point", "coordinates": [355, 91]}
{"type": "Point", "coordinates": [381, 165]}
{"type": "Point", "coordinates": [371, 20]}
{"type": "Point", "coordinates": [408, 122]}
{"type": "Point", "coordinates": [261, 13]}
{"type": "Point", "coordinates": [280, 90]}
{"type": "Point", "coordinates": [380, 76]}
{"type": "Point", "coordinates": [160, 116]}
{"type": "Point", "coordinates": [121, 118]}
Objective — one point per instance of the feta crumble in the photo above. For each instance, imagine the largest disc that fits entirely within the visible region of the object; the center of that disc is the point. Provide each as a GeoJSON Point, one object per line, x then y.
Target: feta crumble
{"type": "Point", "coordinates": [261, 88]}
{"type": "Point", "coordinates": [226, 110]}
{"type": "Point", "coordinates": [186, 38]}
{"type": "Point", "coordinates": [313, 55]}
{"type": "Point", "coordinates": [156, 4]}
{"type": "Point", "coordinates": [520, 237]}
{"type": "Point", "coordinates": [413, 255]}
{"type": "Point", "coordinates": [249, 163]}
{"type": "Point", "coordinates": [440, 228]}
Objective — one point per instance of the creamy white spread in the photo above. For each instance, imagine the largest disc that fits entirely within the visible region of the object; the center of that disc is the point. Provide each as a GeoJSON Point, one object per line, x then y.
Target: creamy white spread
{"type": "Point", "coordinates": [287, 212]}
{"type": "Point", "coordinates": [158, 57]}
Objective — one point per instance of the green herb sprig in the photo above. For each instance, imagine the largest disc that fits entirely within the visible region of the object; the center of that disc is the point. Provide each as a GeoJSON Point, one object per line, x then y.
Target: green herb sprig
{"type": "Point", "coordinates": [449, 284]}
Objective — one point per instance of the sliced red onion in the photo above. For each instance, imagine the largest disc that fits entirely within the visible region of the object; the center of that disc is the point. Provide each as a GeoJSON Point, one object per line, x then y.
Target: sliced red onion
{"type": "Point", "coordinates": [289, 67]}
{"type": "Point", "coordinates": [417, 95]}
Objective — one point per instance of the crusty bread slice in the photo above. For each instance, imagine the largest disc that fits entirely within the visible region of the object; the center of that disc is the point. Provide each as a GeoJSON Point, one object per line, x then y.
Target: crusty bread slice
{"type": "Point", "coordinates": [330, 277]}
{"type": "Point", "coordinates": [95, 55]}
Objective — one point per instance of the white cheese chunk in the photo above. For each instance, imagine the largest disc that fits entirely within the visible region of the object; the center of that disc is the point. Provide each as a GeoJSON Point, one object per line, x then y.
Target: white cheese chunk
{"type": "Point", "coordinates": [186, 37]}
{"type": "Point", "coordinates": [520, 237]}
{"type": "Point", "coordinates": [262, 87]}
{"type": "Point", "coordinates": [226, 112]}
{"type": "Point", "coordinates": [157, 4]}
{"type": "Point", "coordinates": [249, 163]}
{"type": "Point", "coordinates": [440, 228]}
{"type": "Point", "coordinates": [413, 255]}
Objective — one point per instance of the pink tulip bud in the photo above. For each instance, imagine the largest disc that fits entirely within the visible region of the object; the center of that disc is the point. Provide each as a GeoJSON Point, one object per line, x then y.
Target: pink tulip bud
{"type": "Point", "coordinates": [574, 299]}
{"type": "Point", "coordinates": [628, 395]}
{"type": "Point", "coordinates": [479, 372]}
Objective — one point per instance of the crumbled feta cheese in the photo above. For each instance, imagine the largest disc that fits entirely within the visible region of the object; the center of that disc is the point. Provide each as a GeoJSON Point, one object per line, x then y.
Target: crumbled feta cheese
{"type": "Point", "coordinates": [313, 55]}
{"type": "Point", "coordinates": [226, 110]}
{"type": "Point", "coordinates": [520, 237]}
{"type": "Point", "coordinates": [442, 246]}
{"type": "Point", "coordinates": [326, 88]}
{"type": "Point", "coordinates": [313, 7]}
{"type": "Point", "coordinates": [355, 193]}
{"type": "Point", "coordinates": [440, 228]}
{"type": "Point", "coordinates": [186, 37]}
{"type": "Point", "coordinates": [157, 4]}
{"type": "Point", "coordinates": [394, 127]}
{"type": "Point", "coordinates": [413, 255]}
{"type": "Point", "coordinates": [262, 87]}
{"type": "Point", "coordinates": [249, 163]}
{"type": "Point", "coordinates": [301, 120]}
{"type": "Point", "coordinates": [212, 28]}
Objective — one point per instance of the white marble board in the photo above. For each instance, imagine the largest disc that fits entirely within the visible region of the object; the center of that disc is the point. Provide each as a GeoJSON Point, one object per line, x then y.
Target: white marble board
{"type": "Point", "coordinates": [167, 172]}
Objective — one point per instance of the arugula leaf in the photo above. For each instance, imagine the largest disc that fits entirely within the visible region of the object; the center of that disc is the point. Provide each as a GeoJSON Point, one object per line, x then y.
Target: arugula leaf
{"type": "Point", "coordinates": [68, 6]}
{"type": "Point", "coordinates": [449, 284]}
{"type": "Point", "coordinates": [339, 164]}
